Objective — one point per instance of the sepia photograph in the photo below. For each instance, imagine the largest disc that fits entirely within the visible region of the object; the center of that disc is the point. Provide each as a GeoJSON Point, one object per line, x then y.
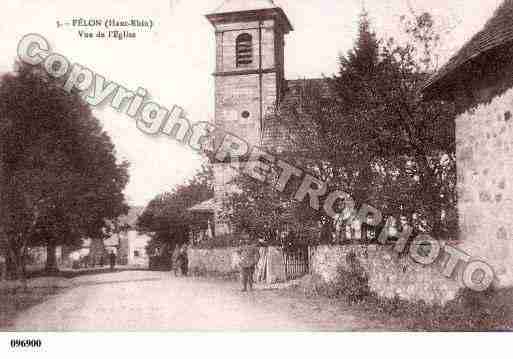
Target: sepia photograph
{"type": "Point", "coordinates": [268, 166]}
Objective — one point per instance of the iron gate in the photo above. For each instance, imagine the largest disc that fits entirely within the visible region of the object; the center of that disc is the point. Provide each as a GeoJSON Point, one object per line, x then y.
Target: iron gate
{"type": "Point", "coordinates": [296, 260]}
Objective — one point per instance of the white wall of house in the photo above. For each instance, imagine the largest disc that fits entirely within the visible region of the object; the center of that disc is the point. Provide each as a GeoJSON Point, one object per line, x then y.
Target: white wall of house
{"type": "Point", "coordinates": [137, 249]}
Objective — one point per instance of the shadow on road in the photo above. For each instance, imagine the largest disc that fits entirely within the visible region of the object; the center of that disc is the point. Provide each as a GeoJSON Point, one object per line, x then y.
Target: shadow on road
{"type": "Point", "coordinates": [70, 274]}
{"type": "Point", "coordinates": [99, 282]}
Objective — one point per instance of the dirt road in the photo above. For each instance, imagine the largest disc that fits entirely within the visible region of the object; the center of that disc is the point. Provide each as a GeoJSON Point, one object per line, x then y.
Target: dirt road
{"type": "Point", "coordinates": [140, 301]}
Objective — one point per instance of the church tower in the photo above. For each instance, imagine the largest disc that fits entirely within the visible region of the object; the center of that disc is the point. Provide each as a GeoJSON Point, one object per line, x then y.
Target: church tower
{"type": "Point", "coordinates": [249, 74]}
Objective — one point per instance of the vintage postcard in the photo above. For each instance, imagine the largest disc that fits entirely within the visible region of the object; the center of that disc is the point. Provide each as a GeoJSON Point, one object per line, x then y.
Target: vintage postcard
{"type": "Point", "coordinates": [255, 165]}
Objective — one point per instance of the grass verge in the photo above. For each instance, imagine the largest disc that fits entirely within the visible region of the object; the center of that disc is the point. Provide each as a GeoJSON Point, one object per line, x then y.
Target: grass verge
{"type": "Point", "coordinates": [491, 310]}
{"type": "Point", "coordinates": [16, 300]}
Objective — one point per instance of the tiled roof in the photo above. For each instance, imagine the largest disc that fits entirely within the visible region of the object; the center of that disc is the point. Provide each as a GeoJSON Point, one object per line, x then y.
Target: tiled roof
{"type": "Point", "coordinates": [497, 32]}
{"type": "Point", "coordinates": [244, 5]}
{"type": "Point", "coordinates": [295, 88]}
{"type": "Point", "coordinates": [277, 133]}
{"type": "Point", "coordinates": [208, 206]}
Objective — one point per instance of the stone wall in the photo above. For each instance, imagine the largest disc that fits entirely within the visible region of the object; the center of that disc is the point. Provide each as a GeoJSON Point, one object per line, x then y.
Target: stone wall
{"type": "Point", "coordinates": [220, 260]}
{"type": "Point", "coordinates": [485, 186]}
{"type": "Point", "coordinates": [270, 268]}
{"type": "Point", "coordinates": [389, 275]}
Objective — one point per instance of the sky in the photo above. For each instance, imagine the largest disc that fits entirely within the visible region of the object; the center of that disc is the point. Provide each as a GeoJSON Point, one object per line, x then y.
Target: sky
{"type": "Point", "coordinates": [175, 60]}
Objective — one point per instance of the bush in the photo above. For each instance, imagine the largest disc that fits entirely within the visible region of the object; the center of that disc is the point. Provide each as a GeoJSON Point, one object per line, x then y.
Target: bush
{"type": "Point", "coordinates": [469, 311]}
{"type": "Point", "coordinates": [351, 284]}
{"type": "Point", "coordinates": [488, 310]}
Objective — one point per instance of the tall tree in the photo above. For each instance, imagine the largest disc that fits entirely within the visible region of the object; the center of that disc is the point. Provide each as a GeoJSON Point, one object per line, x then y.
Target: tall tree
{"type": "Point", "coordinates": [60, 179]}
{"type": "Point", "coordinates": [369, 133]}
{"type": "Point", "coordinates": [411, 142]}
{"type": "Point", "coordinates": [358, 67]}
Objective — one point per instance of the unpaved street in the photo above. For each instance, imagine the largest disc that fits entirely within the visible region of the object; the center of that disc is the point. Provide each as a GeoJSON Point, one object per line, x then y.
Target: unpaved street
{"type": "Point", "coordinates": [129, 301]}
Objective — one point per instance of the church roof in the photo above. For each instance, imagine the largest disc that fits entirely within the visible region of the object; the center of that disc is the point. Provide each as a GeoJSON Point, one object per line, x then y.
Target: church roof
{"type": "Point", "coordinates": [277, 133]}
{"type": "Point", "coordinates": [244, 5]}
{"type": "Point", "coordinates": [497, 32]}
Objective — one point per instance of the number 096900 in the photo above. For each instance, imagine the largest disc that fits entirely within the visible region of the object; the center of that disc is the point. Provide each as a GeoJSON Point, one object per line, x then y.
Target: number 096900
{"type": "Point", "coordinates": [26, 343]}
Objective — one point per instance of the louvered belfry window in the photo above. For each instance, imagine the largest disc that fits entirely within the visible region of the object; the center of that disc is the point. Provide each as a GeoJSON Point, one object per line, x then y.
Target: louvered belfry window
{"type": "Point", "coordinates": [244, 50]}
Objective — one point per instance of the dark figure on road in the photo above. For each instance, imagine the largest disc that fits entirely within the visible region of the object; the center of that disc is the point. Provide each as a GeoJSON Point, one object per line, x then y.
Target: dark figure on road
{"type": "Point", "coordinates": [249, 255]}
{"type": "Point", "coordinates": [175, 261]}
{"type": "Point", "coordinates": [183, 260]}
{"type": "Point", "coordinates": [112, 260]}
{"type": "Point", "coordinates": [180, 260]}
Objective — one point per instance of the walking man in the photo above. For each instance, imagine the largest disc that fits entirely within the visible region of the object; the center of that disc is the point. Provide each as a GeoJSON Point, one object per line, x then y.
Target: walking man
{"type": "Point", "coordinates": [249, 255]}
{"type": "Point", "coordinates": [184, 262]}
{"type": "Point", "coordinates": [112, 259]}
{"type": "Point", "coordinates": [181, 260]}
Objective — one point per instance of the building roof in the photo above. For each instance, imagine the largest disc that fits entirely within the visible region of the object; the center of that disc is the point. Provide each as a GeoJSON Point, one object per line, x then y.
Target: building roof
{"type": "Point", "coordinates": [242, 10]}
{"type": "Point", "coordinates": [208, 206]}
{"type": "Point", "coordinates": [276, 134]}
{"type": "Point", "coordinates": [244, 5]}
{"type": "Point", "coordinates": [130, 219]}
{"type": "Point", "coordinates": [295, 88]}
{"type": "Point", "coordinates": [497, 32]}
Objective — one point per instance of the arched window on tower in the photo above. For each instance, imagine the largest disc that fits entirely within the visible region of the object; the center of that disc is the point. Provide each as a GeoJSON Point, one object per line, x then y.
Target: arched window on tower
{"type": "Point", "coordinates": [244, 50]}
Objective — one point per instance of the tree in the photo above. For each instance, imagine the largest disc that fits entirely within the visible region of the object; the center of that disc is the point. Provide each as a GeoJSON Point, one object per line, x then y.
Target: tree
{"type": "Point", "coordinates": [375, 137]}
{"type": "Point", "coordinates": [264, 213]}
{"type": "Point", "coordinates": [411, 140]}
{"type": "Point", "coordinates": [167, 219]}
{"type": "Point", "coordinates": [369, 134]}
{"type": "Point", "coordinates": [60, 180]}
{"type": "Point", "coordinates": [318, 135]}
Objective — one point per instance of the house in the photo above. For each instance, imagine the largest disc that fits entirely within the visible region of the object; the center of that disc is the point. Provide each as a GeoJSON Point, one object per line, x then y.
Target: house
{"type": "Point", "coordinates": [249, 83]}
{"type": "Point", "coordinates": [480, 79]}
{"type": "Point", "coordinates": [203, 229]}
{"type": "Point", "coordinates": [128, 245]}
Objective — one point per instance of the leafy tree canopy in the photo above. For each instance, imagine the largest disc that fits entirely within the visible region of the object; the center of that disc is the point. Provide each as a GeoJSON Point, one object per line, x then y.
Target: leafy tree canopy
{"type": "Point", "coordinates": [167, 218]}
{"type": "Point", "coordinates": [60, 180]}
